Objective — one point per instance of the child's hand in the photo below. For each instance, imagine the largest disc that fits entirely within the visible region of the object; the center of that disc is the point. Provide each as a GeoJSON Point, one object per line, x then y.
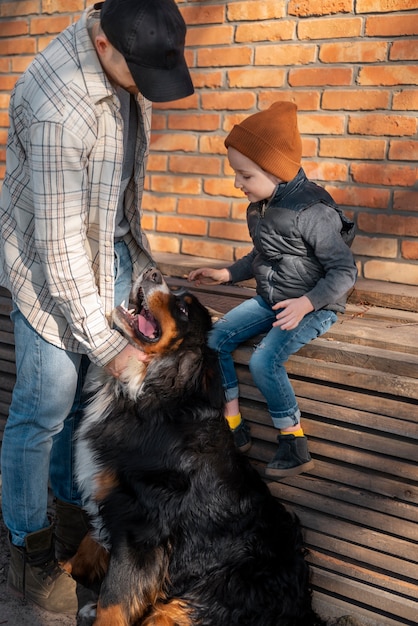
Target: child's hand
{"type": "Point", "coordinates": [291, 312]}
{"type": "Point", "coordinates": [209, 276]}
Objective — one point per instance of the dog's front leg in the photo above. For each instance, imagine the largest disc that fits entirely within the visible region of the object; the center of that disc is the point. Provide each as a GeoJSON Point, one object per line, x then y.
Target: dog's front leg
{"type": "Point", "coordinates": [133, 584]}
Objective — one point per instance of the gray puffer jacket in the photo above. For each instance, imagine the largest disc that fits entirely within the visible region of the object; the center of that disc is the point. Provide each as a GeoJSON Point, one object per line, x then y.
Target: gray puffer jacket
{"type": "Point", "coordinates": [301, 247]}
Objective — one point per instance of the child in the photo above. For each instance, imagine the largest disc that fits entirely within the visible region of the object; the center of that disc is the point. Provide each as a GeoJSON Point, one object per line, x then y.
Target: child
{"type": "Point", "coordinates": [303, 268]}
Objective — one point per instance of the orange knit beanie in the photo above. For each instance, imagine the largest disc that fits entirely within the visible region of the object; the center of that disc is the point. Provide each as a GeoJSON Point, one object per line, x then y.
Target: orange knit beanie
{"type": "Point", "coordinates": [271, 139]}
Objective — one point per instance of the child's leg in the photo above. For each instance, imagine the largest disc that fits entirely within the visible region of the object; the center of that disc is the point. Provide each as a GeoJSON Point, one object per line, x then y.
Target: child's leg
{"type": "Point", "coordinates": [241, 323]}
{"type": "Point", "coordinates": [270, 376]}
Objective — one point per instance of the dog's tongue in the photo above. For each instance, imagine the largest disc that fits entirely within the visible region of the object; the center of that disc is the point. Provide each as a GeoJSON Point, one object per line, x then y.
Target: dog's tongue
{"type": "Point", "coordinates": [146, 324]}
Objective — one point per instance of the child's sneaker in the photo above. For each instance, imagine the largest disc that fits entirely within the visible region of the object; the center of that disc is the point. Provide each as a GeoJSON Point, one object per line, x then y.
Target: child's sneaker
{"type": "Point", "coordinates": [291, 458]}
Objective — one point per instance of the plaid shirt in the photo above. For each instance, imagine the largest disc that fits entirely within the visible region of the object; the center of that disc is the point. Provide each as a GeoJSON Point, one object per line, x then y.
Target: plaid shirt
{"type": "Point", "coordinates": [60, 196]}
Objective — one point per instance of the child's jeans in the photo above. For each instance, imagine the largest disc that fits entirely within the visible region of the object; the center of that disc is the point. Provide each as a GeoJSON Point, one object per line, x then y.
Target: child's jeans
{"type": "Point", "coordinates": [45, 411]}
{"type": "Point", "coordinates": [249, 319]}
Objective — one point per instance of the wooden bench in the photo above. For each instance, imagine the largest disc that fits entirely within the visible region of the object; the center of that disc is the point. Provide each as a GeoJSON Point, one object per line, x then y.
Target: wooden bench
{"type": "Point", "coordinates": [358, 391]}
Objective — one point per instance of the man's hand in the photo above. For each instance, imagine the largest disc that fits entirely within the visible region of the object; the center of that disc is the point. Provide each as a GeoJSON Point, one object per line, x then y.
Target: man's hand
{"type": "Point", "coordinates": [292, 312]}
{"type": "Point", "coordinates": [116, 366]}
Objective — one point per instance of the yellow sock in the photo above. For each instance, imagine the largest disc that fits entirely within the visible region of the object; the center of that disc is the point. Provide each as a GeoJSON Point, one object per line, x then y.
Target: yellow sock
{"type": "Point", "coordinates": [233, 420]}
{"type": "Point", "coordinates": [296, 433]}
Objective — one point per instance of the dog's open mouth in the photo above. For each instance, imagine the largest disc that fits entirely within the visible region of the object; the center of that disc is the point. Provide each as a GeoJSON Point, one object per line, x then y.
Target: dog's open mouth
{"type": "Point", "coordinates": [141, 322]}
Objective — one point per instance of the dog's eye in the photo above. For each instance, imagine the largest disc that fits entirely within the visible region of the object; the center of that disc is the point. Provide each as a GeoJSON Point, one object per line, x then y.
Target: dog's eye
{"type": "Point", "coordinates": [183, 309]}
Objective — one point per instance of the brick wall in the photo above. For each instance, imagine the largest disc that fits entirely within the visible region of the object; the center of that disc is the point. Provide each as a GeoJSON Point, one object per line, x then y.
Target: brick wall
{"type": "Point", "coordinates": [351, 67]}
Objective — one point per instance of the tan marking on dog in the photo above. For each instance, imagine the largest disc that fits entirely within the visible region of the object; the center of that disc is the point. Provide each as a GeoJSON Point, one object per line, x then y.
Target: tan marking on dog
{"type": "Point", "coordinates": [105, 482]}
{"type": "Point", "coordinates": [90, 562]}
{"type": "Point", "coordinates": [174, 613]}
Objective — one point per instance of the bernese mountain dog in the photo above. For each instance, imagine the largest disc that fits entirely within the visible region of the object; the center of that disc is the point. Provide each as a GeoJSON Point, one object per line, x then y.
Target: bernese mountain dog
{"type": "Point", "coordinates": [185, 531]}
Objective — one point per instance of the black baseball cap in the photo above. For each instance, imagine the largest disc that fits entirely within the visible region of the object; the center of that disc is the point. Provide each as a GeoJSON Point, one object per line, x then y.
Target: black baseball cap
{"type": "Point", "coordinates": [150, 34]}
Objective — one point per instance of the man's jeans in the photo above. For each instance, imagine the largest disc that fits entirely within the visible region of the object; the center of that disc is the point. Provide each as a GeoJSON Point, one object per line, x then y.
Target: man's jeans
{"type": "Point", "coordinates": [44, 413]}
{"type": "Point", "coordinates": [249, 319]}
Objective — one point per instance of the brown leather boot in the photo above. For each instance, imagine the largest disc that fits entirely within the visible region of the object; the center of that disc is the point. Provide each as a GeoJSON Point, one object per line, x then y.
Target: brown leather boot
{"type": "Point", "coordinates": [71, 525]}
{"type": "Point", "coordinates": [35, 574]}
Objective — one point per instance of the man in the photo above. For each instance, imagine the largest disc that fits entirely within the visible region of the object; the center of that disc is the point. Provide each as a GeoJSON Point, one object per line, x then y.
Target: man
{"type": "Point", "coordinates": [71, 243]}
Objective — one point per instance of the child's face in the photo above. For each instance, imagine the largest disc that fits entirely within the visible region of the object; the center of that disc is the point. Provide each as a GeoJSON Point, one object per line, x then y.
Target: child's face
{"type": "Point", "coordinates": [250, 178]}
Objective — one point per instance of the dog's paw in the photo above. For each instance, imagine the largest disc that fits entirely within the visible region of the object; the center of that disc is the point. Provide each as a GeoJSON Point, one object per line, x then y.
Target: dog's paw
{"type": "Point", "coordinates": [87, 614]}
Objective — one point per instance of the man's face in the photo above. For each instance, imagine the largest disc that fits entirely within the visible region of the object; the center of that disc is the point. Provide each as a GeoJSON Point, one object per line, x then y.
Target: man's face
{"type": "Point", "coordinates": [118, 71]}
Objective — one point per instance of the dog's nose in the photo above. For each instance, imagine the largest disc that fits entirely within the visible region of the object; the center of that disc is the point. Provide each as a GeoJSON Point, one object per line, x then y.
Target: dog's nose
{"type": "Point", "coordinates": [154, 275]}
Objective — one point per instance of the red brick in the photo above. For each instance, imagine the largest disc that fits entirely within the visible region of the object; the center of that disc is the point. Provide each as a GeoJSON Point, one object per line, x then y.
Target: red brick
{"type": "Point", "coordinates": [157, 204]}
{"type": "Point", "coordinates": [375, 247]}
{"type": "Point", "coordinates": [304, 8]}
{"type": "Point", "coordinates": [209, 250]}
{"type": "Point", "coordinates": [405, 100]}
{"type": "Point", "coordinates": [265, 31]}
{"type": "Point", "coordinates": [224, 57]}
{"type": "Point", "coordinates": [42, 25]}
{"type": "Point", "coordinates": [404, 50]}
{"type": "Point", "coordinates": [309, 147]}
{"type": "Point", "coordinates": [204, 207]}
{"type": "Point", "coordinates": [19, 64]}
{"type": "Point", "coordinates": [308, 100]}
{"type": "Point", "coordinates": [333, 28]}
{"type": "Point", "coordinates": [221, 187]}
{"type": "Point", "coordinates": [355, 99]}
{"type": "Point", "coordinates": [321, 124]}
{"type": "Point", "coordinates": [210, 36]}
{"type": "Point", "coordinates": [188, 121]}
{"type": "Point", "coordinates": [239, 210]}
{"type": "Point", "coordinates": [409, 250]}
{"type": "Point", "coordinates": [160, 243]}
{"type": "Point", "coordinates": [285, 54]}
{"type": "Point", "coordinates": [405, 200]}
{"type": "Point", "coordinates": [181, 225]}
{"type": "Point", "coordinates": [9, 47]}
{"type": "Point", "coordinates": [191, 102]}
{"type": "Point", "coordinates": [212, 144]}
{"type": "Point", "coordinates": [203, 14]}
{"type": "Point", "coordinates": [389, 75]}
{"type": "Point", "coordinates": [207, 79]}
{"type": "Point", "coordinates": [320, 76]}
{"type": "Point", "coordinates": [172, 142]}
{"type": "Point", "coordinates": [369, 197]}
{"type": "Point", "coordinates": [395, 25]}
{"type": "Point", "coordinates": [346, 148]}
{"type": "Point", "coordinates": [382, 124]}
{"type": "Point", "coordinates": [11, 9]}
{"type": "Point", "coordinates": [14, 28]}
{"type": "Point", "coordinates": [325, 170]}
{"type": "Point", "coordinates": [63, 6]}
{"type": "Point", "coordinates": [8, 82]}
{"type": "Point", "coordinates": [385, 6]}
{"type": "Point", "coordinates": [403, 150]}
{"type": "Point", "coordinates": [391, 272]}
{"type": "Point", "coordinates": [256, 78]}
{"type": "Point", "coordinates": [175, 184]}
{"type": "Point", "coordinates": [346, 52]}
{"type": "Point", "coordinates": [229, 230]}
{"type": "Point", "coordinates": [375, 174]}
{"type": "Point", "coordinates": [255, 10]}
{"type": "Point", "coordinates": [195, 165]}
{"type": "Point", "coordinates": [388, 224]}
{"type": "Point", "coordinates": [228, 101]}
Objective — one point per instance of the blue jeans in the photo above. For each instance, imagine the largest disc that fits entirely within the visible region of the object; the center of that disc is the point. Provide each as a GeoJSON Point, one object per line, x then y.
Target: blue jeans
{"type": "Point", "coordinates": [45, 410]}
{"type": "Point", "coordinates": [249, 319]}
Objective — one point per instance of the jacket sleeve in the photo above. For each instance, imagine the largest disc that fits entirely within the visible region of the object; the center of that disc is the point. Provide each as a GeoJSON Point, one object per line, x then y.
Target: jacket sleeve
{"type": "Point", "coordinates": [243, 268]}
{"type": "Point", "coordinates": [320, 226]}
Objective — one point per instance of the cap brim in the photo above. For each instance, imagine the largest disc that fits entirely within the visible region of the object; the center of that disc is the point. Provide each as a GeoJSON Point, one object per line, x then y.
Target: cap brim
{"type": "Point", "coordinates": [162, 85]}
